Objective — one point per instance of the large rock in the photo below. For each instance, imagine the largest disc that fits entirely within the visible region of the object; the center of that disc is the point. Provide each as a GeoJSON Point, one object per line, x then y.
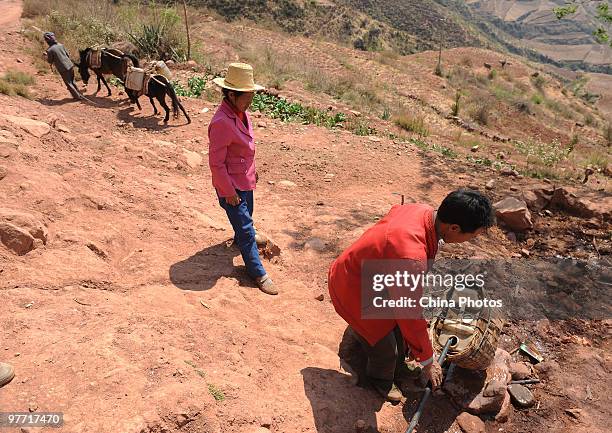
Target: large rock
{"type": "Point", "coordinates": [26, 222]}
{"type": "Point", "coordinates": [16, 239]}
{"type": "Point", "coordinates": [514, 214]}
{"type": "Point", "coordinates": [470, 423]}
{"type": "Point", "coordinates": [582, 204]}
{"type": "Point", "coordinates": [34, 127]}
{"type": "Point", "coordinates": [538, 198]}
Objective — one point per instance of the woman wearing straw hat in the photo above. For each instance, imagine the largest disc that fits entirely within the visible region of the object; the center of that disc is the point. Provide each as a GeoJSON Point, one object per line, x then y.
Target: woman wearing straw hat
{"type": "Point", "coordinates": [231, 158]}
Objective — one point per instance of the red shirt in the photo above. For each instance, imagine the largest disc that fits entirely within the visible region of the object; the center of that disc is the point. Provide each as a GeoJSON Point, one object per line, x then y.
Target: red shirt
{"type": "Point", "coordinates": [406, 232]}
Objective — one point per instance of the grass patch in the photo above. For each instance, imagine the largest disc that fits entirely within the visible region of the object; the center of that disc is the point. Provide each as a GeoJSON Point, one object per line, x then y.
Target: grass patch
{"type": "Point", "coordinates": [217, 393]}
{"type": "Point", "coordinates": [443, 150]}
{"type": "Point", "coordinates": [542, 158]}
{"type": "Point", "coordinates": [360, 127]}
{"type": "Point", "coordinates": [279, 108]}
{"type": "Point", "coordinates": [412, 123]}
{"type": "Point", "coordinates": [598, 160]}
{"type": "Point", "coordinates": [537, 99]}
{"type": "Point", "coordinates": [15, 83]}
{"type": "Point", "coordinates": [607, 134]}
{"type": "Point", "coordinates": [19, 77]}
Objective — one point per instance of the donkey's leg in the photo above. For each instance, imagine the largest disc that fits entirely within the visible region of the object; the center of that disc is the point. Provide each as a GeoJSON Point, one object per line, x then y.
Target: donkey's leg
{"type": "Point", "coordinates": [162, 100]}
{"type": "Point", "coordinates": [105, 84]}
{"type": "Point", "coordinates": [155, 112]}
{"type": "Point", "coordinates": [98, 76]}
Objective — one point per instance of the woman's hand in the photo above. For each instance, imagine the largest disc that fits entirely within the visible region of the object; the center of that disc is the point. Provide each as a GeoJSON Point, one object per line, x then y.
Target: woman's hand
{"type": "Point", "coordinates": [233, 201]}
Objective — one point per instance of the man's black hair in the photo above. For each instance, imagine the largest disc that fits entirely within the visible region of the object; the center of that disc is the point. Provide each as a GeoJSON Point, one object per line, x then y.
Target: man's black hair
{"type": "Point", "coordinates": [226, 92]}
{"type": "Point", "coordinates": [469, 209]}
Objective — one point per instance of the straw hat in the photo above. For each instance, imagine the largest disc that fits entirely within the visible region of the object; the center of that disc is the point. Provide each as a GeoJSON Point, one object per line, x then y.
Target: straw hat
{"type": "Point", "coordinates": [239, 77]}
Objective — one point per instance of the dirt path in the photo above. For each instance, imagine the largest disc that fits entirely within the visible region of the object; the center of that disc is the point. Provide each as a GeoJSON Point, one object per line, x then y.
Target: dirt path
{"type": "Point", "coordinates": [134, 316]}
{"type": "Point", "coordinates": [10, 14]}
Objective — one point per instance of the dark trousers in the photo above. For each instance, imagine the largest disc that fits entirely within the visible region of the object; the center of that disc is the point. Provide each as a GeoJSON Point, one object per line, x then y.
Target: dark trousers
{"type": "Point", "coordinates": [241, 218]}
{"type": "Point", "coordinates": [385, 356]}
{"type": "Point", "coordinates": [68, 77]}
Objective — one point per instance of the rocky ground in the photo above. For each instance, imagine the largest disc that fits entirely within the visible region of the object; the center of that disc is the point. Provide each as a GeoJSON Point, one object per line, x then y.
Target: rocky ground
{"type": "Point", "coordinates": [125, 309]}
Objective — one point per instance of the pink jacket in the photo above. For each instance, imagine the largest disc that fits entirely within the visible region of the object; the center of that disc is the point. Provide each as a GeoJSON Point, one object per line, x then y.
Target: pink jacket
{"type": "Point", "coordinates": [231, 153]}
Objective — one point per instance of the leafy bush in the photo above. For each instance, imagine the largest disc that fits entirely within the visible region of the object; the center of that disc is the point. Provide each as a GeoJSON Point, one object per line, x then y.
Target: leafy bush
{"type": "Point", "coordinates": [537, 98]}
{"type": "Point", "coordinates": [19, 77]}
{"type": "Point", "coordinates": [279, 108]}
{"type": "Point", "coordinates": [541, 153]}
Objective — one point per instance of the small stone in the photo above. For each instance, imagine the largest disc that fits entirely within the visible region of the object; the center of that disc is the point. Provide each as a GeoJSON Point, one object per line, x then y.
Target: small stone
{"type": "Point", "coordinates": [315, 244]}
{"type": "Point", "coordinates": [547, 212]}
{"type": "Point", "coordinates": [62, 128]}
{"type": "Point", "coordinates": [360, 426]}
{"type": "Point", "coordinates": [18, 60]}
{"type": "Point", "coordinates": [3, 172]}
{"type": "Point", "coordinates": [525, 252]}
{"type": "Point", "coordinates": [32, 407]}
{"type": "Point", "coordinates": [519, 370]}
{"type": "Point", "coordinates": [521, 396]}
{"type": "Point", "coordinates": [16, 238]}
{"type": "Point", "coordinates": [514, 188]}
{"type": "Point", "coordinates": [262, 124]}
{"type": "Point", "coordinates": [511, 236]}
{"type": "Point", "coordinates": [320, 297]}
{"type": "Point", "coordinates": [204, 110]}
{"type": "Point", "coordinates": [490, 184]}
{"type": "Point", "coordinates": [192, 63]}
{"type": "Point", "coordinates": [356, 113]}
{"type": "Point", "coordinates": [374, 138]}
{"type": "Point", "coordinates": [287, 184]}
{"type": "Point", "coordinates": [470, 423]}
{"type": "Point", "coordinates": [501, 155]}
{"type": "Point", "coordinates": [271, 182]}
{"type": "Point", "coordinates": [474, 148]}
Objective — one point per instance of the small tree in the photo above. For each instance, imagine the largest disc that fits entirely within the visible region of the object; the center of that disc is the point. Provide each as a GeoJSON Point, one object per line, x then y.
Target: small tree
{"type": "Point", "coordinates": [604, 16]}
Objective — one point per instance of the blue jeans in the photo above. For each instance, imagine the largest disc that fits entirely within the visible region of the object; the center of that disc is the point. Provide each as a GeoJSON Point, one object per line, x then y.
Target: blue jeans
{"type": "Point", "coordinates": [241, 218]}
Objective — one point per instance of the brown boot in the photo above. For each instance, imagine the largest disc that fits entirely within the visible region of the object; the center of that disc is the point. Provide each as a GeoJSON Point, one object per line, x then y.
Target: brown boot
{"type": "Point", "coordinates": [6, 373]}
{"type": "Point", "coordinates": [266, 285]}
{"type": "Point", "coordinates": [387, 389]}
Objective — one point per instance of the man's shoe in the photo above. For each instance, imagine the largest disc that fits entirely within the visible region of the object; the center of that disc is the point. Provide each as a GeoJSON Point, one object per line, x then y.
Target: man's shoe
{"type": "Point", "coordinates": [266, 285]}
{"type": "Point", "coordinates": [387, 389]}
{"type": "Point", "coordinates": [7, 373]}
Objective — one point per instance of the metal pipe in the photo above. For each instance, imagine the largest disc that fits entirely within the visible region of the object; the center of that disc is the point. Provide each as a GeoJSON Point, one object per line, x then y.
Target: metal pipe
{"type": "Point", "coordinates": [415, 418]}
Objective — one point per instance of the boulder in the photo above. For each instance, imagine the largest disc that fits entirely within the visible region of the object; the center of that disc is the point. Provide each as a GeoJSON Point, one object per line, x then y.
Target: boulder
{"type": "Point", "coordinates": [514, 214]}
{"type": "Point", "coordinates": [538, 198]}
{"type": "Point", "coordinates": [25, 221]}
{"type": "Point", "coordinates": [582, 204]}
{"type": "Point", "coordinates": [34, 127]}
{"type": "Point", "coordinates": [470, 423]}
{"type": "Point", "coordinates": [16, 239]}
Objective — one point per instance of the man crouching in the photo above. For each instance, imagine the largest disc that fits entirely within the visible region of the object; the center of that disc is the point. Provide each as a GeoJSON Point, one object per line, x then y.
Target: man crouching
{"type": "Point", "coordinates": [410, 233]}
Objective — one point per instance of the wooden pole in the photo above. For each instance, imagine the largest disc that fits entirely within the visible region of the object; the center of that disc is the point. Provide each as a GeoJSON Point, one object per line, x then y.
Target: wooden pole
{"type": "Point", "coordinates": [187, 28]}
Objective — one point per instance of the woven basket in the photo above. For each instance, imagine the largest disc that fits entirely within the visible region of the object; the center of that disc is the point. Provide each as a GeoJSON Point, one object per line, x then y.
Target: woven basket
{"type": "Point", "coordinates": [478, 349]}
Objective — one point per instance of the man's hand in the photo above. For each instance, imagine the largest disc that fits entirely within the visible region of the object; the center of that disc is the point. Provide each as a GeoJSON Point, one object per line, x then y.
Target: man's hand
{"type": "Point", "coordinates": [433, 372]}
{"type": "Point", "coordinates": [233, 201]}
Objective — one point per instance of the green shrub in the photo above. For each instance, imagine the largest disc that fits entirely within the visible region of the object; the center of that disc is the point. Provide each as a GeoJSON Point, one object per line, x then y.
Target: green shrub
{"type": "Point", "coordinates": [537, 99]}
